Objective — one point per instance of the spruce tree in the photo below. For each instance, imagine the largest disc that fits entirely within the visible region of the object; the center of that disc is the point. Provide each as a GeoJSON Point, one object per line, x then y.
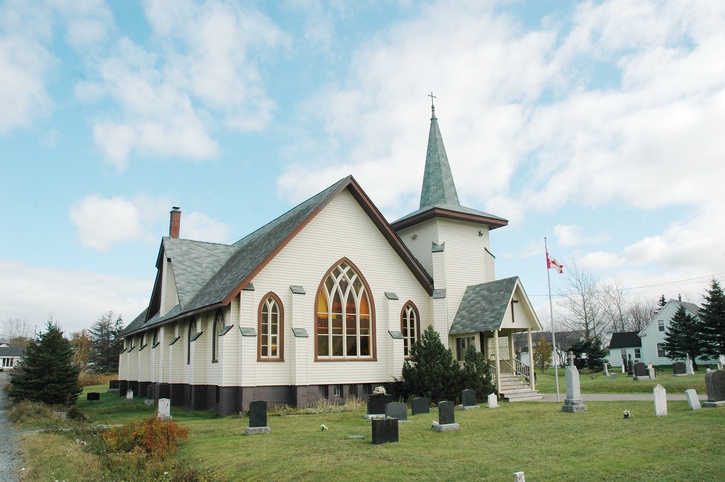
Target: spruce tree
{"type": "Point", "coordinates": [594, 352]}
{"type": "Point", "coordinates": [431, 371]}
{"type": "Point", "coordinates": [712, 315]}
{"type": "Point", "coordinates": [107, 346]}
{"type": "Point", "coordinates": [47, 373]}
{"type": "Point", "coordinates": [683, 337]}
{"type": "Point", "coordinates": [476, 374]}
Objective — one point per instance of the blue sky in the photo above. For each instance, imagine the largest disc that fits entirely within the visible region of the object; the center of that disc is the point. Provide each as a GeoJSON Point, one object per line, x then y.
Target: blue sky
{"type": "Point", "coordinates": [595, 124]}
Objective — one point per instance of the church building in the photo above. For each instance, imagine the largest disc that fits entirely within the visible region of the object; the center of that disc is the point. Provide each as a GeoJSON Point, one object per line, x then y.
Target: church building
{"type": "Point", "coordinates": [325, 301]}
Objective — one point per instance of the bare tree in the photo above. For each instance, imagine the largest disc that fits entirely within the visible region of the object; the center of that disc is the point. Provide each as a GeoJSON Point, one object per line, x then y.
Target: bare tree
{"type": "Point", "coordinates": [584, 303]}
{"type": "Point", "coordinates": [615, 303]}
{"type": "Point", "coordinates": [639, 313]}
{"type": "Point", "coordinates": [17, 332]}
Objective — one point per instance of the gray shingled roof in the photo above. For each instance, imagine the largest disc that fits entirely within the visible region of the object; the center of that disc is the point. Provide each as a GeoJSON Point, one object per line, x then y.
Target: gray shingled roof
{"type": "Point", "coordinates": [452, 208]}
{"type": "Point", "coordinates": [627, 339]}
{"type": "Point", "coordinates": [438, 185]}
{"type": "Point", "coordinates": [483, 306]}
{"type": "Point", "coordinates": [12, 351]}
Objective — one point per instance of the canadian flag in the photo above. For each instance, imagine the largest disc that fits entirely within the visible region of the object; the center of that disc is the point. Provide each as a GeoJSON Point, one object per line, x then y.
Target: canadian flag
{"type": "Point", "coordinates": [552, 263]}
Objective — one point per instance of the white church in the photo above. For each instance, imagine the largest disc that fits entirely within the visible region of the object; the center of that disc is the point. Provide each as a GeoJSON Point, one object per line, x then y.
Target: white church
{"type": "Point", "coordinates": [325, 301]}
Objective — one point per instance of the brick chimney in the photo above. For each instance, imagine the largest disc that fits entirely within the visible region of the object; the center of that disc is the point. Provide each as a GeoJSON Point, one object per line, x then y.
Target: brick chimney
{"type": "Point", "coordinates": [175, 223]}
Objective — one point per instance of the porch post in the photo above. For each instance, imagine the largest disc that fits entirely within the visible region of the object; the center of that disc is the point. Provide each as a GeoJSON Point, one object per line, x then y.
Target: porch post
{"type": "Point", "coordinates": [498, 362]}
{"type": "Point", "coordinates": [532, 377]}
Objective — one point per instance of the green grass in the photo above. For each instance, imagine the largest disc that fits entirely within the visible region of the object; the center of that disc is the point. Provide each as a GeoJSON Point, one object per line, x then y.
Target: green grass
{"type": "Point", "coordinates": [538, 438]}
{"type": "Point", "coordinates": [598, 383]}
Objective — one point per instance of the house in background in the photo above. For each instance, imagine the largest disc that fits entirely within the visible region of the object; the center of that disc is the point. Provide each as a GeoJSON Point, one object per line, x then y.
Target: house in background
{"type": "Point", "coordinates": [622, 346]}
{"type": "Point", "coordinates": [10, 356]}
{"type": "Point", "coordinates": [325, 301]}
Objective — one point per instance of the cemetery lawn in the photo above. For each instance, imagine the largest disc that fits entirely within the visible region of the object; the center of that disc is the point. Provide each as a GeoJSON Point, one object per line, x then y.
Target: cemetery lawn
{"type": "Point", "coordinates": [536, 437]}
{"type": "Point", "coordinates": [598, 383]}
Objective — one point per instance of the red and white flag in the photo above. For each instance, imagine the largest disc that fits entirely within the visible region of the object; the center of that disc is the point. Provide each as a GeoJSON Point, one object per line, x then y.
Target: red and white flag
{"type": "Point", "coordinates": [552, 263]}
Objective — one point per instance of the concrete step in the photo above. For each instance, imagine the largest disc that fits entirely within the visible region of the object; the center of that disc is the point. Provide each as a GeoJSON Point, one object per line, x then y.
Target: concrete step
{"type": "Point", "coordinates": [523, 397]}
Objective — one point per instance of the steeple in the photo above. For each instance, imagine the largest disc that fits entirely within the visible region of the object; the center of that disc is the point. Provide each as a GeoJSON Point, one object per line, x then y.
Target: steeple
{"type": "Point", "coordinates": [438, 185]}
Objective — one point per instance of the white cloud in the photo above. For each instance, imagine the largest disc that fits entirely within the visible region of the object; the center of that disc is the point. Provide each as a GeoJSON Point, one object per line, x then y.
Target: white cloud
{"type": "Point", "coordinates": [200, 227]}
{"type": "Point", "coordinates": [202, 65]}
{"type": "Point", "coordinates": [571, 235]}
{"type": "Point", "coordinates": [75, 298]}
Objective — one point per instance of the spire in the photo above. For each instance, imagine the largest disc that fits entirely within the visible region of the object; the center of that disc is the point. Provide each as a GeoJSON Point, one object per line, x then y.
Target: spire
{"type": "Point", "coordinates": [438, 185]}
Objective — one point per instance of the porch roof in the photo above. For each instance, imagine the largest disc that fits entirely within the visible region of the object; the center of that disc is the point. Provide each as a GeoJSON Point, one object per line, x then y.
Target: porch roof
{"type": "Point", "coordinates": [483, 306]}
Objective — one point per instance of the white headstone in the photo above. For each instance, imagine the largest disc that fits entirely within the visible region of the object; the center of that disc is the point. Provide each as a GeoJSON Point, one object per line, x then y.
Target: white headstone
{"type": "Point", "coordinates": [573, 389]}
{"type": "Point", "coordinates": [492, 401]}
{"type": "Point", "coordinates": [606, 370]}
{"type": "Point", "coordinates": [660, 400]}
{"type": "Point", "coordinates": [519, 477]}
{"type": "Point", "coordinates": [129, 395]}
{"type": "Point", "coordinates": [692, 399]}
{"type": "Point", "coordinates": [650, 371]}
{"type": "Point", "coordinates": [688, 366]}
{"type": "Point", "coordinates": [624, 369]}
{"type": "Point", "coordinates": [164, 411]}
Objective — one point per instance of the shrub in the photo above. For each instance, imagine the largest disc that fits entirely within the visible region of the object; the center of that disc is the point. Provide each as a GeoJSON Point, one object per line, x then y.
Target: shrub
{"type": "Point", "coordinates": [26, 410]}
{"type": "Point", "coordinates": [431, 371]}
{"type": "Point", "coordinates": [476, 374]}
{"type": "Point", "coordinates": [87, 378]}
{"type": "Point", "coordinates": [152, 437]}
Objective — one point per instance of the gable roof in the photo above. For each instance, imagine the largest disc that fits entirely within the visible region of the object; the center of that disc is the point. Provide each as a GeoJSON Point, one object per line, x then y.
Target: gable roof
{"type": "Point", "coordinates": [628, 339]}
{"type": "Point", "coordinates": [692, 308]}
{"type": "Point", "coordinates": [12, 351]}
{"type": "Point", "coordinates": [230, 268]}
{"type": "Point", "coordinates": [484, 305]}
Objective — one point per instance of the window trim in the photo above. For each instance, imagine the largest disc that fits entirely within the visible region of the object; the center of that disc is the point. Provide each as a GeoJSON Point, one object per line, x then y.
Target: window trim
{"type": "Point", "coordinates": [192, 323]}
{"type": "Point", "coordinates": [218, 316]}
{"type": "Point", "coordinates": [660, 325]}
{"type": "Point", "coordinates": [371, 300]}
{"type": "Point", "coordinates": [280, 329]}
{"type": "Point", "coordinates": [407, 339]}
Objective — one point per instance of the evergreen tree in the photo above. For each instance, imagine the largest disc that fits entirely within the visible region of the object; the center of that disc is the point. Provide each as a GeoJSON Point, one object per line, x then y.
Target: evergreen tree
{"type": "Point", "coordinates": [683, 336]}
{"type": "Point", "coordinates": [47, 374]}
{"type": "Point", "coordinates": [476, 374]}
{"type": "Point", "coordinates": [106, 346]}
{"type": "Point", "coordinates": [594, 352]}
{"type": "Point", "coordinates": [431, 371]}
{"type": "Point", "coordinates": [662, 301]}
{"type": "Point", "coordinates": [712, 315]}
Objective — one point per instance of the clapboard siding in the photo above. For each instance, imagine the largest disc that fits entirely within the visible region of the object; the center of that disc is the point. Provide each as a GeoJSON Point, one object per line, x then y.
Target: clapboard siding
{"type": "Point", "coordinates": [419, 239]}
{"type": "Point", "coordinates": [341, 229]}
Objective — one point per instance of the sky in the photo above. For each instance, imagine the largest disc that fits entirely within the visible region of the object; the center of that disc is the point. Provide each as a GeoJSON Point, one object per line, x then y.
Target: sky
{"type": "Point", "coordinates": [596, 125]}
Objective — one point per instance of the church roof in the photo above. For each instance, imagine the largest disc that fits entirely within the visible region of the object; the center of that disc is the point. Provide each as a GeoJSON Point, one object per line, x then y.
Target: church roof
{"type": "Point", "coordinates": [483, 306]}
{"type": "Point", "coordinates": [210, 275]}
{"type": "Point", "coordinates": [438, 196]}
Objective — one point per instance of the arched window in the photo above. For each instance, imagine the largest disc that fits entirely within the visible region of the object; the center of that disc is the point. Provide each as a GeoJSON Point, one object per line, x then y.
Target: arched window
{"type": "Point", "coordinates": [219, 326]}
{"type": "Point", "coordinates": [345, 327]}
{"type": "Point", "coordinates": [271, 329]}
{"type": "Point", "coordinates": [190, 338]}
{"type": "Point", "coordinates": [409, 326]}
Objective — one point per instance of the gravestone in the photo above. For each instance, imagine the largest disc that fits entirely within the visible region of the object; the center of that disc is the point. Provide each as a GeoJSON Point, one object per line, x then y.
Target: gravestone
{"type": "Point", "coordinates": [129, 395]}
{"type": "Point", "coordinates": [689, 370]}
{"type": "Point", "coordinates": [692, 399]}
{"type": "Point", "coordinates": [164, 409]}
{"type": "Point", "coordinates": [624, 369]}
{"type": "Point", "coordinates": [573, 402]}
{"type": "Point", "coordinates": [630, 366]}
{"type": "Point", "coordinates": [468, 398]}
{"type": "Point", "coordinates": [420, 405]}
{"type": "Point", "coordinates": [91, 396]}
{"type": "Point", "coordinates": [650, 371]}
{"type": "Point", "coordinates": [715, 384]}
{"type": "Point", "coordinates": [606, 370]}
{"type": "Point", "coordinates": [446, 418]}
{"type": "Point", "coordinates": [660, 400]}
{"type": "Point", "coordinates": [397, 411]}
{"type": "Point", "coordinates": [257, 418]}
{"type": "Point", "coordinates": [492, 401]}
{"type": "Point", "coordinates": [519, 477]}
{"type": "Point", "coordinates": [679, 369]}
{"type": "Point", "coordinates": [385, 430]}
{"type": "Point", "coordinates": [376, 405]}
{"type": "Point", "coordinates": [640, 372]}
{"type": "Point", "coordinates": [613, 376]}
{"type": "Point", "coordinates": [114, 385]}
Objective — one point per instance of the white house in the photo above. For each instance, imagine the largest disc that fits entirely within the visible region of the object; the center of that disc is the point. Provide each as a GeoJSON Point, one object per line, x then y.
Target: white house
{"type": "Point", "coordinates": [623, 347]}
{"type": "Point", "coordinates": [323, 302]}
{"type": "Point", "coordinates": [10, 356]}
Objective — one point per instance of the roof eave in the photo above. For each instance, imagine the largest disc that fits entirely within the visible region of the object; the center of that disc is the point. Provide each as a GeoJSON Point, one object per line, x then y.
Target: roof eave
{"type": "Point", "coordinates": [491, 222]}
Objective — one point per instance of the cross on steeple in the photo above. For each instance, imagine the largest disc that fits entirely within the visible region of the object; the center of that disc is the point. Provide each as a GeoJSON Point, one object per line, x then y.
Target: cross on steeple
{"type": "Point", "coordinates": [431, 100]}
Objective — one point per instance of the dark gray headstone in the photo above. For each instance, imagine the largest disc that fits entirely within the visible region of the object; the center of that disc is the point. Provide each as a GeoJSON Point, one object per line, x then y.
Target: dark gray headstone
{"type": "Point", "coordinates": [396, 410]}
{"type": "Point", "coordinates": [91, 396]}
{"type": "Point", "coordinates": [376, 404]}
{"type": "Point", "coordinates": [446, 413]}
{"type": "Point", "coordinates": [679, 368]}
{"type": "Point", "coordinates": [150, 392]}
{"type": "Point", "coordinates": [385, 430]}
{"type": "Point", "coordinates": [114, 385]}
{"type": "Point", "coordinates": [420, 405]}
{"type": "Point", "coordinates": [630, 366]}
{"type": "Point", "coordinates": [469, 397]}
{"type": "Point", "coordinates": [715, 384]}
{"type": "Point", "coordinates": [640, 370]}
{"type": "Point", "coordinates": [258, 414]}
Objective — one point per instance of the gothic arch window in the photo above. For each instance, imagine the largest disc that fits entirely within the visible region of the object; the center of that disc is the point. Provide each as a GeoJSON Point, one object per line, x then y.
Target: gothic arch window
{"type": "Point", "coordinates": [271, 329]}
{"type": "Point", "coordinates": [219, 326]}
{"type": "Point", "coordinates": [345, 324]}
{"type": "Point", "coordinates": [409, 326]}
{"type": "Point", "coordinates": [193, 328]}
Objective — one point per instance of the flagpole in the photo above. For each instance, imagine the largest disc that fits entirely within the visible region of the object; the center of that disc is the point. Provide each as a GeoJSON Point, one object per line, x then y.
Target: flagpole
{"type": "Point", "coordinates": [551, 315]}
